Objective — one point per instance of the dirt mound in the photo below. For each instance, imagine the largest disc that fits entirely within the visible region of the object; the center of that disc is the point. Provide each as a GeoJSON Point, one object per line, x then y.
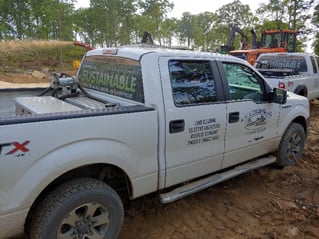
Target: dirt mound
{"type": "Point", "coordinates": [25, 78]}
{"type": "Point", "coordinates": [30, 79]}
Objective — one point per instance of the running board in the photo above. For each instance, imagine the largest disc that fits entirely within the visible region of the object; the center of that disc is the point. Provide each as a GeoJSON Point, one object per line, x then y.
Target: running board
{"type": "Point", "coordinates": [196, 186]}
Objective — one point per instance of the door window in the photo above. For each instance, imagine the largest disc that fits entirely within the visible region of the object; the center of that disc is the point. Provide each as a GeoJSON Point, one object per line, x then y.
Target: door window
{"type": "Point", "coordinates": [192, 82]}
{"type": "Point", "coordinates": [244, 83]}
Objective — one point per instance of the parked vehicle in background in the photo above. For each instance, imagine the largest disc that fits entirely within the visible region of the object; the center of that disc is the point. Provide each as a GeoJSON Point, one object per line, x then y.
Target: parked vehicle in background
{"type": "Point", "coordinates": [296, 72]}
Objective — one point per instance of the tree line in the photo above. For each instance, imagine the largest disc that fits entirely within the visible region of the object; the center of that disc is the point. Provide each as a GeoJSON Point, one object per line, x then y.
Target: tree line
{"type": "Point", "coordinates": [117, 22]}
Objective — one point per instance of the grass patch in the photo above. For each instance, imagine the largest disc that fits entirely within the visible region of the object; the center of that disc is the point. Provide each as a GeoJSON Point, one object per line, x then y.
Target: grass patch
{"type": "Point", "coordinates": [28, 55]}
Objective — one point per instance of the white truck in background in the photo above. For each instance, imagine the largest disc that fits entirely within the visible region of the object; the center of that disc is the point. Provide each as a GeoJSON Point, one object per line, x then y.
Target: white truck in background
{"type": "Point", "coordinates": [296, 72]}
{"type": "Point", "coordinates": [136, 121]}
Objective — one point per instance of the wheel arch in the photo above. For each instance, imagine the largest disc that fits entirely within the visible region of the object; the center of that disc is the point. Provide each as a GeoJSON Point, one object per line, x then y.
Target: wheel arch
{"type": "Point", "coordinates": [112, 175]}
{"type": "Point", "coordinates": [301, 90]}
{"type": "Point", "coordinates": [303, 122]}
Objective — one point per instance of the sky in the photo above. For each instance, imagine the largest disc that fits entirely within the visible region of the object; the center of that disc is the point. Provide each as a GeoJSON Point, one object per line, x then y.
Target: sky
{"type": "Point", "coordinates": [192, 6]}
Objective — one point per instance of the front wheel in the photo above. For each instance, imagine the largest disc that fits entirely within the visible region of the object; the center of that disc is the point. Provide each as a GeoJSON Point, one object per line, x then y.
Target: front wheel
{"type": "Point", "coordinates": [291, 146]}
{"type": "Point", "coordinates": [83, 208]}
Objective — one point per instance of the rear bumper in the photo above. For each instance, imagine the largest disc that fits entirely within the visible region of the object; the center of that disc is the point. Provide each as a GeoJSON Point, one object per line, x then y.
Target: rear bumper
{"type": "Point", "coordinates": [12, 225]}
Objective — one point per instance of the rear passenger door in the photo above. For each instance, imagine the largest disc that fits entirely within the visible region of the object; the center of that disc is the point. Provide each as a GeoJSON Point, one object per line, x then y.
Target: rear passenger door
{"type": "Point", "coordinates": [195, 118]}
{"type": "Point", "coordinates": [251, 120]}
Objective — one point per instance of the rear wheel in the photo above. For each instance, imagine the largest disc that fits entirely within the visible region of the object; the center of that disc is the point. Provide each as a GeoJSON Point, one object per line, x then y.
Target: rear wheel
{"type": "Point", "coordinates": [291, 146]}
{"type": "Point", "coordinates": [83, 208]}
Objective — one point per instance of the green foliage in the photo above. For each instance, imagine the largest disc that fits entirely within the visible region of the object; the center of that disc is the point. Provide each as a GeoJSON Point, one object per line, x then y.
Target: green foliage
{"type": "Point", "coordinates": [204, 27]}
{"type": "Point", "coordinates": [116, 22]}
{"type": "Point", "coordinates": [36, 19]}
{"type": "Point", "coordinates": [295, 13]}
{"type": "Point", "coordinates": [185, 29]}
{"type": "Point", "coordinates": [154, 13]}
{"type": "Point", "coordinates": [235, 14]}
{"type": "Point", "coordinates": [315, 21]}
{"type": "Point", "coordinates": [169, 28]}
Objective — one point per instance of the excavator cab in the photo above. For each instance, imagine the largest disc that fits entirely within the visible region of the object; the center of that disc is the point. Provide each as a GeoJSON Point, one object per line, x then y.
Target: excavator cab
{"type": "Point", "coordinates": [285, 39]}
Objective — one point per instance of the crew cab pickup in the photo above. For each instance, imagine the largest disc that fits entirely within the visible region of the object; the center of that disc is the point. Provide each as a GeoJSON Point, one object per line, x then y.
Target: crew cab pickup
{"type": "Point", "coordinates": [135, 121]}
{"type": "Point", "coordinates": [296, 72]}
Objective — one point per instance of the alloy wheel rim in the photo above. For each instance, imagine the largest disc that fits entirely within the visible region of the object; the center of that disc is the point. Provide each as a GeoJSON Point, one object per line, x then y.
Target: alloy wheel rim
{"type": "Point", "coordinates": [87, 221]}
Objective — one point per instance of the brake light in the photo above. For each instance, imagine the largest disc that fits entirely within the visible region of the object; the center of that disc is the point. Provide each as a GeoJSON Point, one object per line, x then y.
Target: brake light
{"type": "Point", "coordinates": [281, 85]}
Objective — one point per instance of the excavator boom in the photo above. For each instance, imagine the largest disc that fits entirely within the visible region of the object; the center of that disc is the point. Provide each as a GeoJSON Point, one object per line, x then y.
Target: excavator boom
{"type": "Point", "coordinates": [229, 44]}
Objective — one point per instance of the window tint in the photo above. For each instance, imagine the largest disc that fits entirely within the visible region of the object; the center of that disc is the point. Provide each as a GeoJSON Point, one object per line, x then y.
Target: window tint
{"type": "Point", "coordinates": [243, 82]}
{"type": "Point", "coordinates": [192, 82]}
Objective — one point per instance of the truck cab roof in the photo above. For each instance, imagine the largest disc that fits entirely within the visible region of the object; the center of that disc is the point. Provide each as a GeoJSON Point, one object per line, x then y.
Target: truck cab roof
{"type": "Point", "coordinates": [137, 52]}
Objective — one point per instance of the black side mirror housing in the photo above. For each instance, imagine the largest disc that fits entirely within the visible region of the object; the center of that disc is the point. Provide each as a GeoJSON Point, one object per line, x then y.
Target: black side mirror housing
{"type": "Point", "coordinates": [278, 96]}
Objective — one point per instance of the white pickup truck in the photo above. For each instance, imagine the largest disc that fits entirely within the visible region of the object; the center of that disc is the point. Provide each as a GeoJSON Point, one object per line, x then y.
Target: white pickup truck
{"type": "Point", "coordinates": [297, 72]}
{"type": "Point", "coordinates": [132, 122]}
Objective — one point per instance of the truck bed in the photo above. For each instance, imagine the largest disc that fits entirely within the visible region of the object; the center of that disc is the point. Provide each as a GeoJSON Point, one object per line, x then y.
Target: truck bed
{"type": "Point", "coordinates": [24, 105]}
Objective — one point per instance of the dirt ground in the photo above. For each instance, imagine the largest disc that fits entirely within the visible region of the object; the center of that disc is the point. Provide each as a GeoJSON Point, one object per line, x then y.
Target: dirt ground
{"type": "Point", "coordinates": [266, 203]}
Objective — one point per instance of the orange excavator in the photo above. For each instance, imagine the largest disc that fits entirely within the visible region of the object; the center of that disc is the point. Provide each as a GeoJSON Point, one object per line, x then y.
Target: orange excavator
{"type": "Point", "coordinates": [271, 41]}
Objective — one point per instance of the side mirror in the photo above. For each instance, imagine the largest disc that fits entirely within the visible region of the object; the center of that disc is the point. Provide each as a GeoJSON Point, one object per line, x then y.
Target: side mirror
{"type": "Point", "coordinates": [278, 96]}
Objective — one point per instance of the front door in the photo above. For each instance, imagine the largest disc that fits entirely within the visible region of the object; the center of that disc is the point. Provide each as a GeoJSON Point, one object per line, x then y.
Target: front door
{"type": "Point", "coordinates": [251, 120]}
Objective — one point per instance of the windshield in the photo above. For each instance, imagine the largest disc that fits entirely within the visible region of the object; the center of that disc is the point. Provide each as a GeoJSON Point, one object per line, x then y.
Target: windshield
{"type": "Point", "coordinates": [113, 75]}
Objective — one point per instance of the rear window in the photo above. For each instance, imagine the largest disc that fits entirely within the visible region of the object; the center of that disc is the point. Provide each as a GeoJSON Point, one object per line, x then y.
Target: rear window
{"type": "Point", "coordinates": [297, 63]}
{"type": "Point", "coordinates": [113, 75]}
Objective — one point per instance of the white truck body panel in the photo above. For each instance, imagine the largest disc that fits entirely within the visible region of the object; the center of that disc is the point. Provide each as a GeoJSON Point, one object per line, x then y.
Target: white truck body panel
{"type": "Point", "coordinates": [83, 145]}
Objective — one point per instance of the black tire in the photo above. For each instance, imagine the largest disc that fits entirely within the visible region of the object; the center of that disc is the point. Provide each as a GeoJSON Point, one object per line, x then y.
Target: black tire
{"type": "Point", "coordinates": [291, 146]}
{"type": "Point", "coordinates": [83, 208]}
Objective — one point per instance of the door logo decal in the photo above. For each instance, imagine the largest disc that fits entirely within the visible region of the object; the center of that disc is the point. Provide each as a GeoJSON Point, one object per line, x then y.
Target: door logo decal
{"type": "Point", "coordinates": [256, 121]}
